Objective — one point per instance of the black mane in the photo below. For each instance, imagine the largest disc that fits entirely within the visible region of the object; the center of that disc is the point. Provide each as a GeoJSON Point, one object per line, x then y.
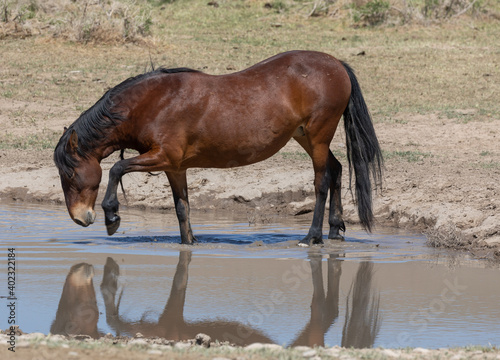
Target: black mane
{"type": "Point", "coordinates": [92, 124]}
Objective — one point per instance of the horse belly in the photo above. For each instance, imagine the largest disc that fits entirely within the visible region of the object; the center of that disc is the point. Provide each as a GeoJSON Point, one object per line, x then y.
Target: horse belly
{"type": "Point", "coordinates": [241, 144]}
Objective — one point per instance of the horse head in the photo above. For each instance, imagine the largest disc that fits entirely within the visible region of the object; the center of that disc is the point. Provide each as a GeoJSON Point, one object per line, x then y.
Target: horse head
{"type": "Point", "coordinates": [80, 174]}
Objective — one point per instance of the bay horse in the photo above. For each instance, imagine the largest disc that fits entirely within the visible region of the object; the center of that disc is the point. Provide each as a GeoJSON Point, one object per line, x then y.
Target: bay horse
{"type": "Point", "coordinates": [182, 118]}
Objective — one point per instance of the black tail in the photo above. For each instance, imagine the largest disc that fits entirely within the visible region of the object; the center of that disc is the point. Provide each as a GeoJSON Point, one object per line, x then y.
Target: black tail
{"type": "Point", "coordinates": [363, 150]}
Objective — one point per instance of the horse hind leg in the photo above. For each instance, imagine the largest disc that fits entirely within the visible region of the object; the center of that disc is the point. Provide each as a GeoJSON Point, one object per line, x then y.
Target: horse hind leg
{"type": "Point", "coordinates": [319, 156]}
{"type": "Point", "coordinates": [178, 183]}
{"type": "Point", "coordinates": [335, 216]}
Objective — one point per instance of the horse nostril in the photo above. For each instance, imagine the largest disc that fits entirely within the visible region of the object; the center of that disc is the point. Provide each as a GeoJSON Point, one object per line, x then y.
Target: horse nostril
{"type": "Point", "coordinates": [79, 222]}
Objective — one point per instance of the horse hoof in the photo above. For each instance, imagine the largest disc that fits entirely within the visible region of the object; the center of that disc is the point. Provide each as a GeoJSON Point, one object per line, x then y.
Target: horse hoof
{"type": "Point", "coordinates": [112, 224]}
{"type": "Point", "coordinates": [337, 237]}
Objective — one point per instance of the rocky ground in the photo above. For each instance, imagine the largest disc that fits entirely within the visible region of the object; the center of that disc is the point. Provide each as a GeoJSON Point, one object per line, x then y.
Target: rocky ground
{"type": "Point", "coordinates": [40, 346]}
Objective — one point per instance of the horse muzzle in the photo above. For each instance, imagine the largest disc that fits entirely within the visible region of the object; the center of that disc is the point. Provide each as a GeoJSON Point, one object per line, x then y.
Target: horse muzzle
{"type": "Point", "coordinates": [85, 218]}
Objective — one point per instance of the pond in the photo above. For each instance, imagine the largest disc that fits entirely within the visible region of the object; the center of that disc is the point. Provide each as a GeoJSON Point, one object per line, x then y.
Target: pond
{"type": "Point", "coordinates": [242, 282]}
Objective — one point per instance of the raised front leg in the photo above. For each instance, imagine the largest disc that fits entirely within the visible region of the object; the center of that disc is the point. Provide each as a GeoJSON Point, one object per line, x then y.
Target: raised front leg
{"type": "Point", "coordinates": [178, 183]}
{"type": "Point", "coordinates": [110, 202]}
{"type": "Point", "coordinates": [150, 161]}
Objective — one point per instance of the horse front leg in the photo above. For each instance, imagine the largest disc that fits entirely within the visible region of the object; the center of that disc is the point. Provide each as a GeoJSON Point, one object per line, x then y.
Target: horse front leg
{"type": "Point", "coordinates": [110, 202]}
{"type": "Point", "coordinates": [178, 183]}
{"type": "Point", "coordinates": [150, 161]}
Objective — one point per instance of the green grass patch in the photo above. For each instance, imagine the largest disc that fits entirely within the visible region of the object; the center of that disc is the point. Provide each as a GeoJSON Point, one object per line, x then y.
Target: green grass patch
{"type": "Point", "coordinates": [490, 165]}
{"type": "Point", "coordinates": [404, 70]}
{"type": "Point", "coordinates": [410, 156]}
{"type": "Point", "coordinates": [29, 142]}
{"type": "Point", "coordinates": [294, 155]}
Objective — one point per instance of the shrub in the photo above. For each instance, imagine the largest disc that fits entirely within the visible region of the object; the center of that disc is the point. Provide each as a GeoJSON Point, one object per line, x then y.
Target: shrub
{"type": "Point", "coordinates": [81, 21]}
{"type": "Point", "coordinates": [374, 12]}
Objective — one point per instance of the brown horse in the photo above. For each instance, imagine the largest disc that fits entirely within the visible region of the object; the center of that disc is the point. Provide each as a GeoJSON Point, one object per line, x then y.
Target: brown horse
{"type": "Point", "coordinates": [180, 118]}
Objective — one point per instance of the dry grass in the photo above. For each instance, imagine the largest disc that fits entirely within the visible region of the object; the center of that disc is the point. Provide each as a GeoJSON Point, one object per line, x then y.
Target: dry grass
{"type": "Point", "coordinates": [403, 70]}
{"type": "Point", "coordinates": [85, 21]}
{"type": "Point", "coordinates": [448, 236]}
{"type": "Point", "coordinates": [112, 21]}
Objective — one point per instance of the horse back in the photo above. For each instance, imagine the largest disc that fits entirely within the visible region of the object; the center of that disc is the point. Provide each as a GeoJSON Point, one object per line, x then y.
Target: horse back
{"type": "Point", "coordinates": [236, 119]}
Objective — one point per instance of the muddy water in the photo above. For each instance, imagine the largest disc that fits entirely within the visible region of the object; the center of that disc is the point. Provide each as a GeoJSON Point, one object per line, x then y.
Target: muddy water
{"type": "Point", "coordinates": [242, 283]}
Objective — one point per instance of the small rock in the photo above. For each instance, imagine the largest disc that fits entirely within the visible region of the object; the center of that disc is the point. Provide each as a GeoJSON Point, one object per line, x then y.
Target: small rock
{"type": "Point", "coordinates": [333, 352]}
{"type": "Point", "coordinates": [227, 348]}
{"type": "Point", "coordinates": [73, 353]}
{"type": "Point", "coordinates": [302, 348]}
{"type": "Point", "coordinates": [17, 330]}
{"type": "Point", "coordinates": [182, 345]}
{"type": "Point", "coordinates": [421, 350]}
{"type": "Point", "coordinates": [203, 340]}
{"type": "Point", "coordinates": [81, 337]}
{"type": "Point", "coordinates": [32, 336]}
{"type": "Point", "coordinates": [390, 353]}
{"type": "Point", "coordinates": [57, 338]}
{"type": "Point", "coordinates": [273, 347]}
{"type": "Point", "coordinates": [309, 353]}
{"type": "Point", "coordinates": [154, 352]}
{"type": "Point", "coordinates": [138, 335]}
{"type": "Point", "coordinates": [491, 241]}
{"type": "Point", "coordinates": [165, 347]}
{"type": "Point", "coordinates": [139, 342]}
{"type": "Point", "coordinates": [254, 346]}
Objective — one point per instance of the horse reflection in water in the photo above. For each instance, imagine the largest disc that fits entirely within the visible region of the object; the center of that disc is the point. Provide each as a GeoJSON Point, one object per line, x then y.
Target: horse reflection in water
{"type": "Point", "coordinates": [78, 313]}
{"type": "Point", "coordinates": [362, 320]}
{"type": "Point", "coordinates": [171, 324]}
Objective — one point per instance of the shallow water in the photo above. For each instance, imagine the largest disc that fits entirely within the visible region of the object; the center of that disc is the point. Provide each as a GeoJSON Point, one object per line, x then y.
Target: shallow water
{"type": "Point", "coordinates": [243, 283]}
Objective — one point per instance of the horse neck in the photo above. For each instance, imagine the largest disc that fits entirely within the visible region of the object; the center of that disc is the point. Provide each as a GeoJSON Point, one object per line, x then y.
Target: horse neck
{"type": "Point", "coordinates": [108, 145]}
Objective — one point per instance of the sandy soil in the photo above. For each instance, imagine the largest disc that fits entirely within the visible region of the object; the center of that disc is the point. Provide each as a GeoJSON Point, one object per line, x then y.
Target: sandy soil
{"type": "Point", "coordinates": [441, 177]}
{"type": "Point", "coordinates": [39, 346]}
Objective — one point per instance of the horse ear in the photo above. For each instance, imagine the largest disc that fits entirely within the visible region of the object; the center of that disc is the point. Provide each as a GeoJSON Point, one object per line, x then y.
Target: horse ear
{"type": "Point", "coordinates": [72, 145]}
{"type": "Point", "coordinates": [65, 129]}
